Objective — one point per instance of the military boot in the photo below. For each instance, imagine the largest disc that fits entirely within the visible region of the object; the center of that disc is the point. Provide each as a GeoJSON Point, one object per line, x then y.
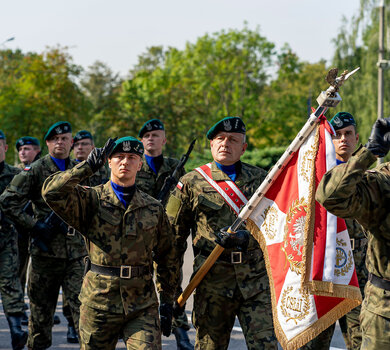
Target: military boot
{"type": "Point", "coordinates": [71, 335]}
{"type": "Point", "coordinates": [18, 335]}
{"type": "Point", "coordinates": [182, 340]}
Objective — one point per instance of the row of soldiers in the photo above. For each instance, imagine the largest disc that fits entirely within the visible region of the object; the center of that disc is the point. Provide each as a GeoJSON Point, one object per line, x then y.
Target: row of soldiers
{"type": "Point", "coordinates": [126, 230]}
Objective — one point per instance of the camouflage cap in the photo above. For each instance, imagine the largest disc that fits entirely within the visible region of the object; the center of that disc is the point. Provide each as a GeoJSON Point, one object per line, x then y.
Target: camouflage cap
{"type": "Point", "coordinates": [150, 125]}
{"type": "Point", "coordinates": [81, 135]}
{"type": "Point", "coordinates": [128, 144]}
{"type": "Point", "coordinates": [2, 136]}
{"type": "Point", "coordinates": [27, 140]}
{"type": "Point", "coordinates": [228, 124]}
{"type": "Point", "coordinates": [342, 120]}
{"type": "Point", "coordinates": [58, 129]}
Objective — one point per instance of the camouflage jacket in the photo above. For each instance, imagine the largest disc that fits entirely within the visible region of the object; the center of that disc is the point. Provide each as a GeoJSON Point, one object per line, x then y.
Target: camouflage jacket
{"type": "Point", "coordinates": [197, 206]}
{"type": "Point", "coordinates": [6, 230]}
{"type": "Point", "coordinates": [151, 183]}
{"type": "Point", "coordinates": [27, 186]}
{"type": "Point", "coordinates": [351, 191]}
{"type": "Point", "coordinates": [99, 178]}
{"type": "Point", "coordinates": [115, 237]}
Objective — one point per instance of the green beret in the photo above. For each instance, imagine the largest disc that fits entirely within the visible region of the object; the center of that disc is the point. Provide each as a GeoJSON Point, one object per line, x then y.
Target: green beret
{"type": "Point", "coordinates": [58, 129]}
{"type": "Point", "coordinates": [150, 125]}
{"type": "Point", "coordinates": [342, 120]}
{"type": "Point", "coordinates": [128, 144]}
{"type": "Point", "coordinates": [81, 135]}
{"type": "Point", "coordinates": [27, 140]}
{"type": "Point", "coordinates": [2, 136]}
{"type": "Point", "coordinates": [228, 124]}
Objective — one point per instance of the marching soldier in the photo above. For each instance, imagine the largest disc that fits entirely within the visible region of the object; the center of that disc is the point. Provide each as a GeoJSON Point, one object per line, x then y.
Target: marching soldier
{"type": "Point", "coordinates": [204, 201]}
{"type": "Point", "coordinates": [150, 179]}
{"type": "Point", "coordinates": [83, 144]}
{"type": "Point", "coordinates": [125, 230]}
{"type": "Point", "coordinates": [29, 150]}
{"type": "Point", "coordinates": [351, 191]}
{"type": "Point", "coordinates": [56, 251]}
{"type": "Point", "coordinates": [10, 287]}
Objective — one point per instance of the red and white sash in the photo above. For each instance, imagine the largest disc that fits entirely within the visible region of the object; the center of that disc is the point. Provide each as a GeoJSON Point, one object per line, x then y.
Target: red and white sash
{"type": "Point", "coordinates": [229, 191]}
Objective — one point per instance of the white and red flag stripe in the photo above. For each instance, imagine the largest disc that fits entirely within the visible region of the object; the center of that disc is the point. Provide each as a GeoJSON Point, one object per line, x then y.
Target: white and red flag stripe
{"type": "Point", "coordinates": [307, 250]}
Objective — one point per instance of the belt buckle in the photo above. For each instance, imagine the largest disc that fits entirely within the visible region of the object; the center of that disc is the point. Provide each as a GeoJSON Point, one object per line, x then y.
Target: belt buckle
{"type": "Point", "coordinates": [125, 272]}
{"type": "Point", "coordinates": [236, 257]}
{"type": "Point", "coordinates": [352, 243]}
{"type": "Point", "coordinates": [71, 232]}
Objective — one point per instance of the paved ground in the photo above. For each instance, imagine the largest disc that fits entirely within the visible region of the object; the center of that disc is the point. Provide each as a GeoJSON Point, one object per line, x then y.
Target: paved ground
{"type": "Point", "coordinates": [237, 341]}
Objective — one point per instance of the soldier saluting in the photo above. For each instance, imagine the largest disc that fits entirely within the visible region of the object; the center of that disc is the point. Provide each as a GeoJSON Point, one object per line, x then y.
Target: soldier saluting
{"type": "Point", "coordinates": [204, 201]}
{"type": "Point", "coordinates": [126, 230]}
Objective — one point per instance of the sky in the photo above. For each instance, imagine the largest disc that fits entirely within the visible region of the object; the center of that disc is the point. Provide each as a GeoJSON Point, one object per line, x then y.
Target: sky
{"type": "Point", "coordinates": [117, 31]}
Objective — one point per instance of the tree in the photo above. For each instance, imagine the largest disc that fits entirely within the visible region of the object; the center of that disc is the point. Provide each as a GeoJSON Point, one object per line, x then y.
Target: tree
{"type": "Point", "coordinates": [37, 90]}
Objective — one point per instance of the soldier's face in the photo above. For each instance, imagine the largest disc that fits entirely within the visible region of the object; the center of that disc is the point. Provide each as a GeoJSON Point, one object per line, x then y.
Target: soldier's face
{"type": "Point", "coordinates": [153, 142]}
{"type": "Point", "coordinates": [59, 145]}
{"type": "Point", "coordinates": [124, 168]}
{"type": "Point", "coordinates": [27, 153]}
{"type": "Point", "coordinates": [3, 150]}
{"type": "Point", "coordinates": [228, 147]}
{"type": "Point", "coordinates": [83, 148]}
{"type": "Point", "coordinates": [345, 142]}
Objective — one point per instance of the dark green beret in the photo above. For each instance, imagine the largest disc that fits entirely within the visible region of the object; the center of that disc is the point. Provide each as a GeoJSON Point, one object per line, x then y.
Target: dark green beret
{"type": "Point", "coordinates": [27, 140]}
{"type": "Point", "coordinates": [2, 136]}
{"type": "Point", "coordinates": [342, 120]}
{"type": "Point", "coordinates": [58, 129]}
{"type": "Point", "coordinates": [228, 124]}
{"type": "Point", "coordinates": [128, 144]}
{"type": "Point", "coordinates": [81, 135]}
{"type": "Point", "coordinates": [150, 125]}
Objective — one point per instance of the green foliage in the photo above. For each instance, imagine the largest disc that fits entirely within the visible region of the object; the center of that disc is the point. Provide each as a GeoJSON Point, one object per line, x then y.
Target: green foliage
{"type": "Point", "coordinates": [37, 90]}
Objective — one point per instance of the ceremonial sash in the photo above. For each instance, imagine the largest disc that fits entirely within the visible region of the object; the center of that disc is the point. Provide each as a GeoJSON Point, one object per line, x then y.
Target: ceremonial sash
{"type": "Point", "coordinates": [229, 191]}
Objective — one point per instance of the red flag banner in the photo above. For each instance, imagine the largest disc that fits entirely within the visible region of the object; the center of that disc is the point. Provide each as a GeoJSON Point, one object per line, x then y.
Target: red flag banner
{"type": "Point", "coordinates": [307, 250]}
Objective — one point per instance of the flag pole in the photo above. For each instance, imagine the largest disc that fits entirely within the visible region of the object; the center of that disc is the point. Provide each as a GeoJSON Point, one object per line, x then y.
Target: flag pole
{"type": "Point", "coordinates": [327, 99]}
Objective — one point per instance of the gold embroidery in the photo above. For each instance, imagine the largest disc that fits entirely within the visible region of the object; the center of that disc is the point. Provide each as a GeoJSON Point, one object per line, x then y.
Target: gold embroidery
{"type": "Point", "coordinates": [270, 216]}
{"type": "Point", "coordinates": [294, 308]}
{"type": "Point", "coordinates": [307, 167]}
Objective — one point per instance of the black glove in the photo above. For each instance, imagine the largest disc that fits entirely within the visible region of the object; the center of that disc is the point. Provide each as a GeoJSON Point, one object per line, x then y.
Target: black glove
{"type": "Point", "coordinates": [98, 156]}
{"type": "Point", "coordinates": [178, 310]}
{"type": "Point", "coordinates": [41, 236]}
{"type": "Point", "coordinates": [166, 318]}
{"type": "Point", "coordinates": [238, 240]}
{"type": "Point", "coordinates": [379, 140]}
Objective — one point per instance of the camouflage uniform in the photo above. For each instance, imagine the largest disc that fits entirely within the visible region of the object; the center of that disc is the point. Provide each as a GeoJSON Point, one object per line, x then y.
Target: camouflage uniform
{"type": "Point", "coordinates": [114, 307]}
{"type": "Point", "coordinates": [99, 178]}
{"type": "Point", "coordinates": [352, 192]}
{"type": "Point", "coordinates": [228, 290]}
{"type": "Point", "coordinates": [151, 183]}
{"type": "Point", "coordinates": [10, 287]}
{"type": "Point", "coordinates": [47, 272]}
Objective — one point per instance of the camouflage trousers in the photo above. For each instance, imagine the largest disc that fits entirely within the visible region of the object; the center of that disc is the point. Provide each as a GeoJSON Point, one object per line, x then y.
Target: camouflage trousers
{"type": "Point", "coordinates": [350, 328]}
{"type": "Point", "coordinates": [100, 330]}
{"type": "Point", "coordinates": [23, 242]}
{"type": "Point", "coordinates": [321, 341]}
{"type": "Point", "coordinates": [46, 276]}
{"type": "Point", "coordinates": [214, 315]}
{"type": "Point", "coordinates": [10, 287]}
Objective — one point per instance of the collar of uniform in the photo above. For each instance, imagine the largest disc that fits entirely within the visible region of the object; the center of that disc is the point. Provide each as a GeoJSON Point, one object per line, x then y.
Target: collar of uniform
{"type": "Point", "coordinates": [109, 196]}
{"type": "Point", "coordinates": [163, 169]}
{"type": "Point", "coordinates": [218, 175]}
{"type": "Point", "coordinates": [53, 167]}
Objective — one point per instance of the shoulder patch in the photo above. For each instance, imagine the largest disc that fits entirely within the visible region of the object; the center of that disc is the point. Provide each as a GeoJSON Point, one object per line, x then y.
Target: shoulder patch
{"type": "Point", "coordinates": [180, 186]}
{"type": "Point", "coordinates": [27, 168]}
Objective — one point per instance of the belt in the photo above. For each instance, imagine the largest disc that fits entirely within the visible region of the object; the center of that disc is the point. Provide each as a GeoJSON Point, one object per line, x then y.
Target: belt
{"type": "Point", "coordinates": [124, 271]}
{"type": "Point", "coordinates": [378, 281]}
{"type": "Point", "coordinates": [357, 243]}
{"type": "Point", "coordinates": [236, 257]}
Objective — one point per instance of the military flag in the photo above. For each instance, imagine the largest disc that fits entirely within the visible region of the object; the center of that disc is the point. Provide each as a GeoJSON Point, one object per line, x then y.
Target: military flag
{"type": "Point", "coordinates": [307, 250]}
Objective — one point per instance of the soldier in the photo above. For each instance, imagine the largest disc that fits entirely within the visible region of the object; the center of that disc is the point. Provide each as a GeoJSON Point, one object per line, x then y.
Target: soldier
{"type": "Point", "coordinates": [82, 146]}
{"type": "Point", "coordinates": [204, 201]}
{"type": "Point", "coordinates": [56, 252]}
{"type": "Point", "coordinates": [10, 287]}
{"type": "Point", "coordinates": [150, 179]}
{"type": "Point", "coordinates": [126, 230]}
{"type": "Point", "coordinates": [351, 191]}
{"type": "Point", "coordinates": [29, 150]}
